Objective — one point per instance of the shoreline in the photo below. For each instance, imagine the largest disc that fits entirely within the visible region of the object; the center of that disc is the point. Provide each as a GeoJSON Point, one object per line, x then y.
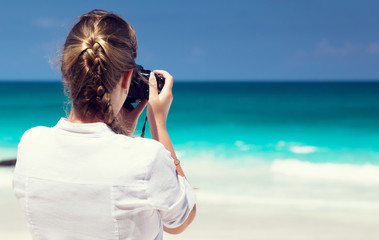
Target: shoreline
{"type": "Point", "coordinates": [255, 203]}
{"type": "Point", "coordinates": [238, 221]}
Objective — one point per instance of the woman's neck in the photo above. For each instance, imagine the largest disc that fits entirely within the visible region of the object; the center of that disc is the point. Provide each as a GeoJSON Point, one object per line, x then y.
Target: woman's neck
{"type": "Point", "coordinates": [74, 118]}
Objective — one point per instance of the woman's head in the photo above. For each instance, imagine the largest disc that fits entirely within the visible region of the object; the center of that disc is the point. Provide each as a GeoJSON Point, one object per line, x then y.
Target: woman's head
{"type": "Point", "coordinates": [98, 51]}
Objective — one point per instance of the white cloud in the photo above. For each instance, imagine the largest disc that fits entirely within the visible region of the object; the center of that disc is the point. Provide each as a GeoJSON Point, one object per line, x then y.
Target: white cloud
{"type": "Point", "coordinates": [325, 48]}
{"type": "Point", "coordinates": [197, 52]}
{"type": "Point", "coordinates": [300, 54]}
{"type": "Point", "coordinates": [373, 48]}
{"type": "Point", "coordinates": [48, 23]}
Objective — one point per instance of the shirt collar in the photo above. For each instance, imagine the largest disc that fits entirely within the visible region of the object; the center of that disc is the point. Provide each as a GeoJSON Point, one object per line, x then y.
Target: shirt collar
{"type": "Point", "coordinates": [83, 128]}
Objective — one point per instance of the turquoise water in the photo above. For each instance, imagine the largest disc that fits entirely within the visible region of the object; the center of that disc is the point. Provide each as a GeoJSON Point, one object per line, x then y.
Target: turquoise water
{"type": "Point", "coordinates": [304, 151]}
{"type": "Point", "coordinates": [314, 122]}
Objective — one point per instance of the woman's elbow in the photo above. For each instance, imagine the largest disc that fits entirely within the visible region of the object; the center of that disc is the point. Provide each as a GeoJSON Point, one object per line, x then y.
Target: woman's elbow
{"type": "Point", "coordinates": [186, 223]}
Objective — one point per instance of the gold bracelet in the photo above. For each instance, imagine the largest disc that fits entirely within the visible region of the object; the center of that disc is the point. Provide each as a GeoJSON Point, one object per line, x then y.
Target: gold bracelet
{"type": "Point", "coordinates": [178, 163]}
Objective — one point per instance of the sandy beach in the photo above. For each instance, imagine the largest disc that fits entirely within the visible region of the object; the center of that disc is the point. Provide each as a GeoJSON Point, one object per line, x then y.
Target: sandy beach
{"type": "Point", "coordinates": [278, 209]}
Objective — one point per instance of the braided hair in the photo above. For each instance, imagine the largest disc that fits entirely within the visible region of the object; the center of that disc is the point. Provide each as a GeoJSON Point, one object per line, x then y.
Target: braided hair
{"type": "Point", "coordinates": [99, 49]}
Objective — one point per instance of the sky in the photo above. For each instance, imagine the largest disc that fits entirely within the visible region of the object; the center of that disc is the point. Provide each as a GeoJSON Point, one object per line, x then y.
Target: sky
{"type": "Point", "coordinates": [204, 40]}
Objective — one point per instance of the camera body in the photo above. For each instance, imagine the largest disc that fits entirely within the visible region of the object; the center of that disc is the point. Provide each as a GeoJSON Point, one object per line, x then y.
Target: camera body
{"type": "Point", "coordinates": [139, 88]}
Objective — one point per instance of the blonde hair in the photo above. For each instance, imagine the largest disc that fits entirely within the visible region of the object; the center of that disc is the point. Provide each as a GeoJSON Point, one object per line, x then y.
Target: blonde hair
{"type": "Point", "coordinates": [99, 49]}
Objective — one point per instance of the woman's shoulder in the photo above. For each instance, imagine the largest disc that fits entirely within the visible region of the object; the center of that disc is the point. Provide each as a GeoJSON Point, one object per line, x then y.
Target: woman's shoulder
{"type": "Point", "coordinates": [139, 142]}
{"type": "Point", "coordinates": [145, 148]}
{"type": "Point", "coordinates": [158, 147]}
{"type": "Point", "coordinates": [162, 157]}
{"type": "Point", "coordinates": [35, 138]}
{"type": "Point", "coordinates": [147, 142]}
{"type": "Point", "coordinates": [34, 133]}
{"type": "Point", "coordinates": [142, 156]}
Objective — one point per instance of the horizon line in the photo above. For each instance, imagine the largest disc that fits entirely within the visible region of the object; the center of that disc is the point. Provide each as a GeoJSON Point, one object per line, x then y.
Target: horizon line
{"type": "Point", "coordinates": [218, 80]}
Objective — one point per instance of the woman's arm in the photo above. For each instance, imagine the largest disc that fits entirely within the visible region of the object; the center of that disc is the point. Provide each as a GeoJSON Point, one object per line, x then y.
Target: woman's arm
{"type": "Point", "coordinates": [157, 111]}
{"type": "Point", "coordinates": [182, 227]}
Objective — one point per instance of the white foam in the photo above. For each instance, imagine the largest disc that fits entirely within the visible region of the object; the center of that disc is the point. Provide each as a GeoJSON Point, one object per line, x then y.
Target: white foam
{"type": "Point", "coordinates": [297, 148]}
{"type": "Point", "coordinates": [280, 144]}
{"type": "Point", "coordinates": [303, 149]}
{"type": "Point", "coordinates": [285, 201]}
{"type": "Point", "coordinates": [242, 145]}
{"type": "Point", "coordinates": [358, 174]}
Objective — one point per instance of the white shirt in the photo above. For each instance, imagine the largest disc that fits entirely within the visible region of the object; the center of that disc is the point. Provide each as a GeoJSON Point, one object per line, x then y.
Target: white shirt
{"type": "Point", "coordinates": [83, 181]}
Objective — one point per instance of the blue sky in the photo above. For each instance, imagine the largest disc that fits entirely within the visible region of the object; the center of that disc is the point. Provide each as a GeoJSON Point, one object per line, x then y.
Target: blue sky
{"type": "Point", "coordinates": [208, 40]}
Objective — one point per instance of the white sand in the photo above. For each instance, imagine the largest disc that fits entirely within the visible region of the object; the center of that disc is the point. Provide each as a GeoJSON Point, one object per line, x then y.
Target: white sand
{"type": "Point", "coordinates": [271, 207]}
{"type": "Point", "coordinates": [12, 223]}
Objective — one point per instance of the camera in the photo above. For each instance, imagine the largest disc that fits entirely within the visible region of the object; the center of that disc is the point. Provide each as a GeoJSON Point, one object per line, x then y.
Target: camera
{"type": "Point", "coordinates": [139, 86]}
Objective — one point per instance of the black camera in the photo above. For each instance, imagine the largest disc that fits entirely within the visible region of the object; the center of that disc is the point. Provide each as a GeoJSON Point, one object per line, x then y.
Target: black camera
{"type": "Point", "coordinates": [139, 86]}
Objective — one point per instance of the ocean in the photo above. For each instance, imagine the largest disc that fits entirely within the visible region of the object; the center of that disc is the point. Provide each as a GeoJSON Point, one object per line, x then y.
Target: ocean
{"type": "Point", "coordinates": [247, 135]}
{"type": "Point", "coordinates": [272, 160]}
{"type": "Point", "coordinates": [335, 122]}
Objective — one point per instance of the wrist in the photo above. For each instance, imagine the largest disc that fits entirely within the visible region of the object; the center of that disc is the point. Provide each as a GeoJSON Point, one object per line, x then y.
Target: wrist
{"type": "Point", "coordinates": [157, 129]}
{"type": "Point", "coordinates": [157, 122]}
{"type": "Point", "coordinates": [161, 125]}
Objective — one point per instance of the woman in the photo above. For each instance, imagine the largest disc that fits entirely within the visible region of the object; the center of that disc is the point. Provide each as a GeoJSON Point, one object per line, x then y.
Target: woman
{"type": "Point", "coordinates": [85, 178]}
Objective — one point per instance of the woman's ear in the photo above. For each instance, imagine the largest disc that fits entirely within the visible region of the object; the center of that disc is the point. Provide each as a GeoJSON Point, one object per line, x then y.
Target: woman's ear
{"type": "Point", "coordinates": [126, 79]}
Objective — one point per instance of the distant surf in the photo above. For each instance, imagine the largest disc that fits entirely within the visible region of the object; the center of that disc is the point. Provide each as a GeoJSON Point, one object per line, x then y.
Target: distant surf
{"type": "Point", "coordinates": [366, 174]}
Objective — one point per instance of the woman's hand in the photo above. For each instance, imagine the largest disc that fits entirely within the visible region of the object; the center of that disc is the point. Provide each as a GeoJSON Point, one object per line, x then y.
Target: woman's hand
{"type": "Point", "coordinates": [129, 119]}
{"type": "Point", "coordinates": [159, 105]}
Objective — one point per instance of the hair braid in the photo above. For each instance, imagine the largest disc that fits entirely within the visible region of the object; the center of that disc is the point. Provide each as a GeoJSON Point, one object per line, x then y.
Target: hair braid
{"type": "Point", "coordinates": [102, 94]}
{"type": "Point", "coordinates": [97, 52]}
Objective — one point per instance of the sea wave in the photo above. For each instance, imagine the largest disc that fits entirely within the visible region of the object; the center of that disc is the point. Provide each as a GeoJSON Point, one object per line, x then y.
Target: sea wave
{"type": "Point", "coordinates": [242, 145]}
{"type": "Point", "coordinates": [295, 147]}
{"type": "Point", "coordinates": [285, 201]}
{"type": "Point", "coordinates": [303, 149]}
{"type": "Point", "coordinates": [366, 174]}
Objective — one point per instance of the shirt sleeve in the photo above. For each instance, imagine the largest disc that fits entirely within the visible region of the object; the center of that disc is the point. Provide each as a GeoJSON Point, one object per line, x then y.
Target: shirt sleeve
{"type": "Point", "coordinates": [172, 196]}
